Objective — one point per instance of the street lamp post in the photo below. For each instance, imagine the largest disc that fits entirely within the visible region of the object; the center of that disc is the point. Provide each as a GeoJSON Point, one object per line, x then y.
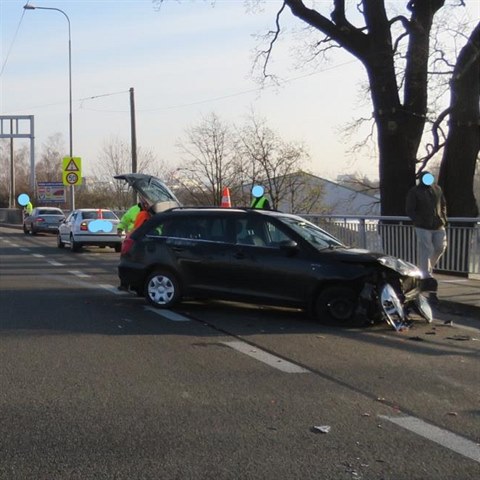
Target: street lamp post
{"type": "Point", "coordinates": [70, 123]}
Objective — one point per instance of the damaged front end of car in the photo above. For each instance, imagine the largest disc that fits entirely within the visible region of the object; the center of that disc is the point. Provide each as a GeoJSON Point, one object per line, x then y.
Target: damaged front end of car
{"type": "Point", "coordinates": [393, 293]}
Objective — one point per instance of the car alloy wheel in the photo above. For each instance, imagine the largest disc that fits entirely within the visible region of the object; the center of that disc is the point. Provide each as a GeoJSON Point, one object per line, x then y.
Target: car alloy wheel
{"type": "Point", "coordinates": [162, 289]}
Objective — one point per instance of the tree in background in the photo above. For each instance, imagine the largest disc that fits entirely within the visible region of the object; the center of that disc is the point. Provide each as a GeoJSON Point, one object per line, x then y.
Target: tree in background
{"type": "Point", "coordinates": [208, 163]}
{"type": "Point", "coordinates": [394, 48]}
{"type": "Point", "coordinates": [270, 161]}
{"type": "Point", "coordinates": [49, 168]}
{"type": "Point", "coordinates": [216, 155]}
{"type": "Point", "coordinates": [460, 156]}
{"type": "Point", "coordinates": [115, 159]}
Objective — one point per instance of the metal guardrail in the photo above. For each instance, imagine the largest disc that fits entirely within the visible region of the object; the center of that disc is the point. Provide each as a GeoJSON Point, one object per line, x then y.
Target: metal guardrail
{"type": "Point", "coordinates": [396, 236]}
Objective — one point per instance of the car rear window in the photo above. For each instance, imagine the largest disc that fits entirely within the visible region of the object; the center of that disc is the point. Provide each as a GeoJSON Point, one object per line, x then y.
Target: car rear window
{"type": "Point", "coordinates": [50, 211]}
{"type": "Point", "coordinates": [107, 215]}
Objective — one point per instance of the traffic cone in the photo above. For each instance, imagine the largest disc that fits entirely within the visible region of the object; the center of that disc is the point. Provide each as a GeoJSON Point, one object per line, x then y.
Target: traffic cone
{"type": "Point", "coordinates": [226, 203]}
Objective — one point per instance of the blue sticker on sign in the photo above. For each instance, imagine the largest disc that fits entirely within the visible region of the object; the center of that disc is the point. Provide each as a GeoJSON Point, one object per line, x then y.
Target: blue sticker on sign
{"type": "Point", "coordinates": [96, 226]}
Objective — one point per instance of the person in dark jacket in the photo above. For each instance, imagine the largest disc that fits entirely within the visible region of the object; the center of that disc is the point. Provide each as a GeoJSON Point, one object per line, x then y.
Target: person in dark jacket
{"type": "Point", "coordinates": [427, 208]}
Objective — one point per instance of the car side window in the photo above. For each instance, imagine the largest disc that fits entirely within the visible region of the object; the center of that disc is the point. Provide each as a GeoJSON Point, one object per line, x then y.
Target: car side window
{"type": "Point", "coordinates": [192, 228]}
{"type": "Point", "coordinates": [276, 237]}
{"type": "Point", "coordinates": [250, 232]}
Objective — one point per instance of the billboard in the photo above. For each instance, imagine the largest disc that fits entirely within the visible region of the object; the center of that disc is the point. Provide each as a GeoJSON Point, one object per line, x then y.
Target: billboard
{"type": "Point", "coordinates": [51, 192]}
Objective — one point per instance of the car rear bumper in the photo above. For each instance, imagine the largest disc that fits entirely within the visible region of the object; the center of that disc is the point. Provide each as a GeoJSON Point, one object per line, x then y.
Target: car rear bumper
{"type": "Point", "coordinates": [131, 275]}
{"type": "Point", "coordinates": [52, 229]}
{"type": "Point", "coordinates": [98, 240]}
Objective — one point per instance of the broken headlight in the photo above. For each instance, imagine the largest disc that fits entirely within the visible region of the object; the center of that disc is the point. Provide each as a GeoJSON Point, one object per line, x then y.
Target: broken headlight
{"type": "Point", "coordinates": [401, 266]}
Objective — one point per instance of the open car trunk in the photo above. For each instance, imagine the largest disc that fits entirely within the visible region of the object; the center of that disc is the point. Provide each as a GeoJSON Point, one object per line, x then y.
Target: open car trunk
{"type": "Point", "coordinates": [152, 190]}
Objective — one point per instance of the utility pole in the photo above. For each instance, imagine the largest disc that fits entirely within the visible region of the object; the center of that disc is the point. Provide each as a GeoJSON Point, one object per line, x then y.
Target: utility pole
{"type": "Point", "coordinates": [133, 136]}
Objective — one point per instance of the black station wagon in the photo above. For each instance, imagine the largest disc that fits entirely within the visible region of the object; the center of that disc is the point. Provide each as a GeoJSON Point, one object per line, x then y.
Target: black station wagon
{"type": "Point", "coordinates": [269, 258]}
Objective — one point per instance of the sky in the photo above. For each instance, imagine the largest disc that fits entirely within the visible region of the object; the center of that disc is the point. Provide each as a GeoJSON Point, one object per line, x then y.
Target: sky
{"type": "Point", "coordinates": [184, 61]}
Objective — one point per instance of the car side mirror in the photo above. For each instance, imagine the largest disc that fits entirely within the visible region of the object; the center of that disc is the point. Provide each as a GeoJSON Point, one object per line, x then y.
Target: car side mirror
{"type": "Point", "coordinates": [290, 247]}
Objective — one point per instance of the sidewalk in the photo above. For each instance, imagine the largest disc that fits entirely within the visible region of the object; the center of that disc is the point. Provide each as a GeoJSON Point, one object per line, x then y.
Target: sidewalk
{"type": "Point", "coordinates": [459, 295]}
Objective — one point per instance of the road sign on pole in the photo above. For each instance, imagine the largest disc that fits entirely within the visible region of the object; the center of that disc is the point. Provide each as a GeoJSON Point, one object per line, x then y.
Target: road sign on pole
{"type": "Point", "coordinates": [72, 171]}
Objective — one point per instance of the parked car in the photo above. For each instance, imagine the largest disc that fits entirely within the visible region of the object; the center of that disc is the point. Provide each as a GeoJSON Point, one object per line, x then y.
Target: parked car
{"type": "Point", "coordinates": [271, 258]}
{"type": "Point", "coordinates": [89, 226]}
{"type": "Point", "coordinates": [43, 219]}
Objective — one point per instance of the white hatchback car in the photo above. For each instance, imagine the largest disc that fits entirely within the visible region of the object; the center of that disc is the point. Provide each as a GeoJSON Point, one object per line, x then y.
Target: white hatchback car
{"type": "Point", "coordinates": [89, 226]}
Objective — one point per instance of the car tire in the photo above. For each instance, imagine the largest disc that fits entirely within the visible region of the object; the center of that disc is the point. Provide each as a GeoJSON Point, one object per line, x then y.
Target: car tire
{"type": "Point", "coordinates": [60, 244]}
{"type": "Point", "coordinates": [32, 231]}
{"type": "Point", "coordinates": [25, 229]}
{"type": "Point", "coordinates": [336, 305]}
{"type": "Point", "coordinates": [162, 289]}
{"type": "Point", "coordinates": [74, 246]}
{"type": "Point", "coordinates": [118, 248]}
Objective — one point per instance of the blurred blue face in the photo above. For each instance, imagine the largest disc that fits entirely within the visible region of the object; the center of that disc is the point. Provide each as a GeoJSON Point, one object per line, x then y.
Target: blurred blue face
{"type": "Point", "coordinates": [428, 179]}
{"type": "Point", "coordinates": [23, 199]}
{"type": "Point", "coordinates": [257, 191]}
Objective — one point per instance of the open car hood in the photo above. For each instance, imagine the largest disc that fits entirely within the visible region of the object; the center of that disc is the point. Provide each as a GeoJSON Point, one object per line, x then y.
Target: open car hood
{"type": "Point", "coordinates": [152, 189]}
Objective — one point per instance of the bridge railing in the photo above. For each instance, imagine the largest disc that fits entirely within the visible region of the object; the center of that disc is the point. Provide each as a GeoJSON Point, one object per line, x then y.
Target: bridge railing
{"type": "Point", "coordinates": [396, 236]}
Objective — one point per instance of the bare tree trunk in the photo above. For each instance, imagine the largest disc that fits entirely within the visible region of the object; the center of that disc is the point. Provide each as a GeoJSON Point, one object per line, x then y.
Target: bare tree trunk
{"type": "Point", "coordinates": [457, 169]}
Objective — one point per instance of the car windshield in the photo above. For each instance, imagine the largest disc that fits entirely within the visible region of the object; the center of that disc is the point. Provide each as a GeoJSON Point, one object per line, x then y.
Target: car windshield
{"type": "Point", "coordinates": [311, 233]}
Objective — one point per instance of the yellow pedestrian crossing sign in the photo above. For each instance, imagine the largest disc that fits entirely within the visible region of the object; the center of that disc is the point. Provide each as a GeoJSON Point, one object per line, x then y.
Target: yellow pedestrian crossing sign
{"type": "Point", "coordinates": [72, 171]}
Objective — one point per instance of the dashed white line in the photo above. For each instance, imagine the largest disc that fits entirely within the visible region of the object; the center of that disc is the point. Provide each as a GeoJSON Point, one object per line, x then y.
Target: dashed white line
{"type": "Point", "coordinates": [55, 263]}
{"type": "Point", "coordinates": [79, 274]}
{"type": "Point", "coordinates": [112, 289]}
{"type": "Point", "coordinates": [265, 357]}
{"type": "Point", "coordinates": [445, 438]}
{"type": "Point", "coordinates": [168, 314]}
{"type": "Point", "coordinates": [38, 255]}
{"type": "Point", "coordinates": [25, 249]}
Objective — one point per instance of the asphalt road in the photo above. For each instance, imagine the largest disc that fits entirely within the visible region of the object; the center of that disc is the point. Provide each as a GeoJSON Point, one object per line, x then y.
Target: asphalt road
{"type": "Point", "coordinates": [95, 385]}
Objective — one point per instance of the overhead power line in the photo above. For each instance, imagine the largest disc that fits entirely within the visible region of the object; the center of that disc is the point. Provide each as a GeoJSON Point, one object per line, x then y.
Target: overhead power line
{"type": "Point", "coordinates": [11, 45]}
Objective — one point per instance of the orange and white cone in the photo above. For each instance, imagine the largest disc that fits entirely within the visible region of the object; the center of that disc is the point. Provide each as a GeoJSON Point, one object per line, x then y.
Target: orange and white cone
{"type": "Point", "coordinates": [226, 202]}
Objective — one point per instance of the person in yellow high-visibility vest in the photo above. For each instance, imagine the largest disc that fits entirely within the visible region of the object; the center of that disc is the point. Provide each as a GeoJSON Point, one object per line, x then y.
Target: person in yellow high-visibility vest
{"type": "Point", "coordinates": [128, 219]}
{"type": "Point", "coordinates": [134, 217]}
{"type": "Point", "coordinates": [259, 199]}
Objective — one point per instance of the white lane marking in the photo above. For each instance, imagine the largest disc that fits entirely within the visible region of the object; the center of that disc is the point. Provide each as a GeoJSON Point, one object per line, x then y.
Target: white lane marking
{"type": "Point", "coordinates": [13, 244]}
{"type": "Point", "coordinates": [265, 357]}
{"type": "Point", "coordinates": [85, 284]}
{"type": "Point", "coordinates": [55, 263]}
{"type": "Point", "coordinates": [445, 438]}
{"type": "Point", "coordinates": [79, 274]}
{"type": "Point", "coordinates": [168, 314]}
{"type": "Point", "coordinates": [112, 289]}
{"type": "Point", "coordinates": [25, 249]}
{"type": "Point", "coordinates": [38, 255]}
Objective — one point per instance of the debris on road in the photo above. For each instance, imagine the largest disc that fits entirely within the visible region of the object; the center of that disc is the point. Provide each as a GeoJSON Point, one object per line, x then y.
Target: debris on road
{"type": "Point", "coordinates": [321, 429]}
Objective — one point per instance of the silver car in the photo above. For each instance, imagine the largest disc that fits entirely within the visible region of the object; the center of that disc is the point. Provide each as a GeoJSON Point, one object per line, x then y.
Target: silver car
{"type": "Point", "coordinates": [89, 226]}
{"type": "Point", "coordinates": [43, 219]}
